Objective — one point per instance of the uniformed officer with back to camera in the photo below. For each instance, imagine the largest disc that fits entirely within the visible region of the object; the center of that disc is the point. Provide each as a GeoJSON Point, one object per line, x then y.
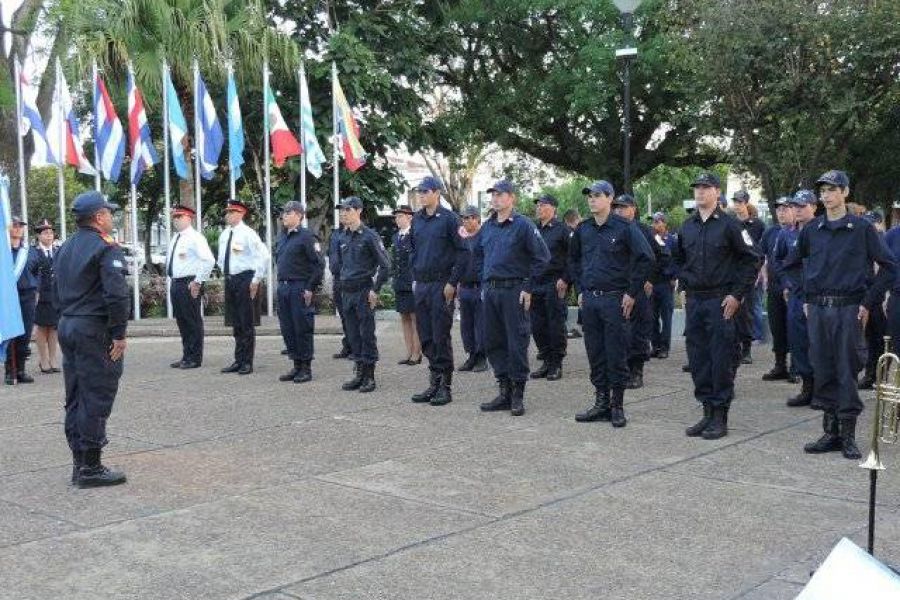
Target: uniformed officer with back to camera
{"type": "Point", "coordinates": [334, 265]}
{"type": "Point", "coordinates": [548, 299]}
{"type": "Point", "coordinates": [365, 267]}
{"type": "Point", "coordinates": [471, 308]}
{"type": "Point", "coordinates": [26, 263]}
{"type": "Point", "coordinates": [299, 264]}
{"type": "Point", "coordinates": [718, 263]}
{"type": "Point", "coordinates": [438, 258]}
{"type": "Point", "coordinates": [839, 250]}
{"type": "Point", "coordinates": [93, 298]}
{"type": "Point", "coordinates": [639, 327]}
{"type": "Point", "coordinates": [776, 305]}
{"type": "Point", "coordinates": [610, 261]}
{"type": "Point", "coordinates": [510, 255]}
{"type": "Point", "coordinates": [244, 260]}
{"type": "Point", "coordinates": [189, 262]}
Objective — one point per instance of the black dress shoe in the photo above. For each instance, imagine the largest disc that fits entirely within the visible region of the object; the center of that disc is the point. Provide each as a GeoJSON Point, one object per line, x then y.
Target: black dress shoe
{"type": "Point", "coordinates": [176, 364]}
{"type": "Point", "coordinates": [189, 364]}
{"type": "Point", "coordinates": [245, 370]}
{"type": "Point", "coordinates": [24, 377]}
{"type": "Point", "coordinates": [284, 352]}
{"type": "Point", "coordinates": [662, 354]}
{"type": "Point", "coordinates": [232, 368]}
{"type": "Point", "coordinates": [405, 361]}
{"type": "Point", "coordinates": [344, 353]}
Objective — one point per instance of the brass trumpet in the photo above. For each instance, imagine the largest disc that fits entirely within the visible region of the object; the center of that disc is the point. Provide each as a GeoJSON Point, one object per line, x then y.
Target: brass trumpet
{"type": "Point", "coordinates": [885, 425]}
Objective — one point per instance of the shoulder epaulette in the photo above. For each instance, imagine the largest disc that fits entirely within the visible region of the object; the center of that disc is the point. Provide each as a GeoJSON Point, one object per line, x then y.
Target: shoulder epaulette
{"type": "Point", "coordinates": [110, 240]}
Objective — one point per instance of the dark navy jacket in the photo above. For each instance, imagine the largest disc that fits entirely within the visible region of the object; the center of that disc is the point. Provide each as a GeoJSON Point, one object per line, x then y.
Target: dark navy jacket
{"type": "Point", "coordinates": [298, 257]}
{"type": "Point", "coordinates": [90, 280]}
{"type": "Point", "coordinates": [363, 256]}
{"type": "Point", "coordinates": [334, 253]}
{"type": "Point", "coordinates": [470, 272]}
{"type": "Point", "coordinates": [556, 235]}
{"type": "Point", "coordinates": [614, 256]}
{"type": "Point", "coordinates": [788, 273]}
{"type": "Point", "coordinates": [29, 280]}
{"type": "Point", "coordinates": [892, 241]}
{"type": "Point", "coordinates": [668, 270]}
{"type": "Point", "coordinates": [401, 248]}
{"type": "Point", "coordinates": [716, 255]}
{"type": "Point", "coordinates": [438, 252]}
{"type": "Point", "coordinates": [512, 249]}
{"type": "Point", "coordinates": [767, 246]}
{"type": "Point", "coordinates": [839, 257]}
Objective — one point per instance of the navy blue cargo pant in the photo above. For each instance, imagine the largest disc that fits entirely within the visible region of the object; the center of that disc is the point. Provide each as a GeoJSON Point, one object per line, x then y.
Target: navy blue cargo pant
{"type": "Point", "coordinates": [91, 380]}
{"type": "Point", "coordinates": [186, 309]}
{"type": "Point", "coordinates": [893, 321]}
{"type": "Point", "coordinates": [471, 318]}
{"type": "Point", "coordinates": [640, 329]}
{"type": "Point", "coordinates": [663, 306]}
{"type": "Point", "coordinates": [27, 304]}
{"type": "Point", "coordinates": [711, 345]}
{"type": "Point", "coordinates": [605, 339]}
{"type": "Point", "coordinates": [548, 322]}
{"type": "Point", "coordinates": [296, 319]}
{"type": "Point", "coordinates": [434, 319]}
{"type": "Point", "coordinates": [837, 350]}
{"type": "Point", "coordinates": [798, 338]}
{"type": "Point", "coordinates": [876, 328]}
{"type": "Point", "coordinates": [778, 321]}
{"type": "Point", "coordinates": [336, 297]}
{"type": "Point", "coordinates": [507, 329]}
{"type": "Point", "coordinates": [240, 309]}
{"type": "Point", "coordinates": [360, 321]}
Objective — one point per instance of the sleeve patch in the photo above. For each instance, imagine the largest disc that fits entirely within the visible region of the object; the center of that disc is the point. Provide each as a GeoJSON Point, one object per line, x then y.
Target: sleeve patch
{"type": "Point", "coordinates": [118, 264]}
{"type": "Point", "coordinates": [746, 236]}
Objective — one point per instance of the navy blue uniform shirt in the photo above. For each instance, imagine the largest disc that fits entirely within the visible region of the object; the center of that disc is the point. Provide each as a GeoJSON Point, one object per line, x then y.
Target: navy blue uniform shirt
{"type": "Point", "coordinates": [470, 272]}
{"type": "Point", "coordinates": [767, 246]}
{"type": "Point", "coordinates": [512, 249]}
{"type": "Point", "coordinates": [788, 273]}
{"type": "Point", "coordinates": [401, 247]}
{"type": "Point", "coordinates": [892, 241]}
{"type": "Point", "coordinates": [363, 256]}
{"type": "Point", "coordinates": [90, 280]}
{"type": "Point", "coordinates": [334, 253]}
{"type": "Point", "coordinates": [30, 278]}
{"type": "Point", "coordinates": [716, 255]}
{"type": "Point", "coordinates": [755, 228]}
{"type": "Point", "coordinates": [437, 248]}
{"type": "Point", "coordinates": [556, 235]}
{"type": "Point", "coordinates": [614, 256]}
{"type": "Point", "coordinates": [298, 257]}
{"type": "Point", "coordinates": [839, 257]}
{"type": "Point", "coordinates": [660, 253]}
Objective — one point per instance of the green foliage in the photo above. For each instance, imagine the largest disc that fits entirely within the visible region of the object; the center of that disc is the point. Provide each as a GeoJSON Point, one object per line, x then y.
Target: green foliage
{"type": "Point", "coordinates": [43, 194]}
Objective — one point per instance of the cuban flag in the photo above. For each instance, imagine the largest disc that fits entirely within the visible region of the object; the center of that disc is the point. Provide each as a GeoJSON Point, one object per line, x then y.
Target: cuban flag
{"type": "Point", "coordinates": [108, 133]}
{"type": "Point", "coordinates": [31, 121]}
{"type": "Point", "coordinates": [177, 130]}
{"type": "Point", "coordinates": [143, 155]}
{"type": "Point", "coordinates": [64, 117]}
{"type": "Point", "coordinates": [209, 132]}
{"type": "Point", "coordinates": [235, 130]}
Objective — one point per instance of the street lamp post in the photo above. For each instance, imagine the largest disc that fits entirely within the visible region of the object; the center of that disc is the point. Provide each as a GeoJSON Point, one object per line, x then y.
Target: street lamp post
{"type": "Point", "coordinates": [627, 54]}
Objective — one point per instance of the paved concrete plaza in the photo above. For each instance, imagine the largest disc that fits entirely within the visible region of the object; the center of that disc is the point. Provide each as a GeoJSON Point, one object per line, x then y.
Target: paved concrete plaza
{"type": "Point", "coordinates": [244, 487]}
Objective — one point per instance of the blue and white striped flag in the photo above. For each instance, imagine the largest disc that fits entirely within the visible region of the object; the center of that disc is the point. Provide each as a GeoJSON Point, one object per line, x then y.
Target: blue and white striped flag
{"type": "Point", "coordinates": [235, 130]}
{"type": "Point", "coordinates": [11, 325]}
{"type": "Point", "coordinates": [177, 130]}
{"type": "Point", "coordinates": [308, 141]}
{"type": "Point", "coordinates": [209, 132]}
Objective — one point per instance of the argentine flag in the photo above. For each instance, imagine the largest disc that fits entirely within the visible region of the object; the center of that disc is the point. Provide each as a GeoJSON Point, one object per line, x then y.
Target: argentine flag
{"type": "Point", "coordinates": [177, 130]}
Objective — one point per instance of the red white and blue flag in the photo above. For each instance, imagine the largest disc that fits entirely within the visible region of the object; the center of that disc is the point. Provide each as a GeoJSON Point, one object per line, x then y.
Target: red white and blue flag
{"type": "Point", "coordinates": [32, 121]}
{"type": "Point", "coordinates": [108, 133]}
{"type": "Point", "coordinates": [71, 134]}
{"type": "Point", "coordinates": [143, 155]}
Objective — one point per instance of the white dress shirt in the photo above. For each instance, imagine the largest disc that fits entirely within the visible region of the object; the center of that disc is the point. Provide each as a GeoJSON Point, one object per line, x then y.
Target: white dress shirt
{"type": "Point", "coordinates": [192, 255]}
{"type": "Point", "coordinates": [248, 252]}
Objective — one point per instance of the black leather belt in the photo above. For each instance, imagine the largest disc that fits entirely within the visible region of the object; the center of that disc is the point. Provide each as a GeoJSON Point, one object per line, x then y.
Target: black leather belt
{"type": "Point", "coordinates": [835, 301]}
{"type": "Point", "coordinates": [605, 292]}
{"type": "Point", "coordinates": [469, 285]}
{"type": "Point", "coordinates": [707, 294]}
{"type": "Point", "coordinates": [241, 274]}
{"type": "Point", "coordinates": [431, 277]}
{"type": "Point", "coordinates": [506, 283]}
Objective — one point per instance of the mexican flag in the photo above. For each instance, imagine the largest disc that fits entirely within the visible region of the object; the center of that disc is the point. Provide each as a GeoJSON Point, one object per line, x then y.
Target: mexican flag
{"type": "Point", "coordinates": [284, 144]}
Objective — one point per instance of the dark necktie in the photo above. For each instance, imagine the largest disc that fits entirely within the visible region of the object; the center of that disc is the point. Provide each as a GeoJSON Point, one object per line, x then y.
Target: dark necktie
{"type": "Point", "coordinates": [172, 256]}
{"type": "Point", "coordinates": [227, 261]}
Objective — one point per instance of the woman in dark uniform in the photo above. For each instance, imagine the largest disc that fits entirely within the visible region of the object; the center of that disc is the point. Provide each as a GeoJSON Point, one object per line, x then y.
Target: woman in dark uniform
{"type": "Point", "coordinates": [404, 303]}
{"type": "Point", "coordinates": [46, 316]}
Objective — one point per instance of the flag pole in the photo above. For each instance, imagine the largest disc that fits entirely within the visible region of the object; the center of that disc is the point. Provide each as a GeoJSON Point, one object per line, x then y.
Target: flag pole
{"type": "Point", "coordinates": [335, 141]}
{"type": "Point", "coordinates": [301, 75]}
{"type": "Point", "coordinates": [97, 180]}
{"type": "Point", "coordinates": [23, 184]}
{"type": "Point", "coordinates": [136, 281]}
{"type": "Point", "coordinates": [61, 159]}
{"type": "Point", "coordinates": [232, 183]}
{"type": "Point", "coordinates": [268, 190]}
{"type": "Point", "coordinates": [197, 198]}
{"type": "Point", "coordinates": [166, 181]}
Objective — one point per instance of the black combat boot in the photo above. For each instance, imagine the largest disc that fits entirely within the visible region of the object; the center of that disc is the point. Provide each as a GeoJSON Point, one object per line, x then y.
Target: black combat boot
{"type": "Point", "coordinates": [469, 364]}
{"type": "Point", "coordinates": [434, 381]}
{"type": "Point", "coordinates": [868, 380]}
{"type": "Point", "coordinates": [77, 461]}
{"type": "Point", "coordinates": [746, 359]}
{"type": "Point", "coordinates": [503, 400]}
{"type": "Point", "coordinates": [779, 371]}
{"type": "Point", "coordinates": [289, 376]}
{"type": "Point", "coordinates": [805, 395]}
{"type": "Point", "coordinates": [344, 353]}
{"type": "Point", "coordinates": [554, 372]}
{"type": "Point", "coordinates": [480, 363]}
{"type": "Point", "coordinates": [717, 427]}
{"type": "Point", "coordinates": [637, 375]}
{"type": "Point", "coordinates": [23, 377]}
{"type": "Point", "coordinates": [617, 408]}
{"type": "Point", "coordinates": [443, 395]}
{"type": "Point", "coordinates": [368, 383]}
{"type": "Point", "coordinates": [92, 473]}
{"type": "Point", "coordinates": [600, 411]}
{"type": "Point", "coordinates": [232, 368]}
{"type": "Point", "coordinates": [541, 373]}
{"type": "Point", "coordinates": [848, 439]}
{"type": "Point", "coordinates": [686, 368]}
{"type": "Point", "coordinates": [700, 426]}
{"type": "Point", "coordinates": [304, 373]}
{"type": "Point", "coordinates": [9, 379]}
{"type": "Point", "coordinates": [357, 380]}
{"type": "Point", "coordinates": [517, 402]}
{"type": "Point", "coordinates": [830, 440]}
